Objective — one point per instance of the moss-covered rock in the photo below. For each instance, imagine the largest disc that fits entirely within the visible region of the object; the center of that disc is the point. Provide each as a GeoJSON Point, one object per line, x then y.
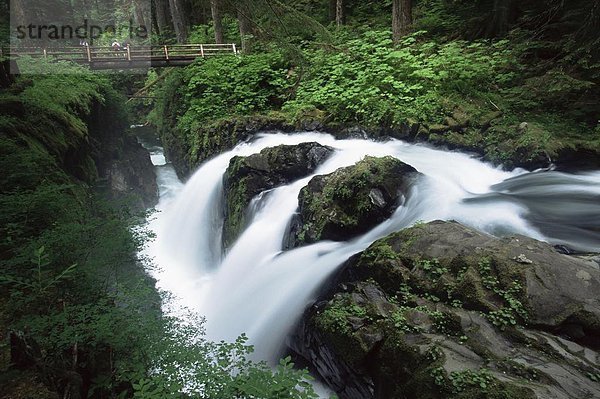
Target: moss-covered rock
{"type": "Point", "coordinates": [187, 150]}
{"type": "Point", "coordinates": [248, 176]}
{"type": "Point", "coordinates": [443, 311]}
{"type": "Point", "coordinates": [352, 200]}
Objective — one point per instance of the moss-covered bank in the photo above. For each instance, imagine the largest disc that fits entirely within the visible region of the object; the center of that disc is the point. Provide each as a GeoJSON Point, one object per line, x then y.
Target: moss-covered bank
{"type": "Point", "coordinates": [492, 97]}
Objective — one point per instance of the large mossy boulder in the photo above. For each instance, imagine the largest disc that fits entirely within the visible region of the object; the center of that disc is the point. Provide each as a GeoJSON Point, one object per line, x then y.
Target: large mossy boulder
{"type": "Point", "coordinates": [246, 177]}
{"type": "Point", "coordinates": [352, 200]}
{"type": "Point", "coordinates": [443, 311]}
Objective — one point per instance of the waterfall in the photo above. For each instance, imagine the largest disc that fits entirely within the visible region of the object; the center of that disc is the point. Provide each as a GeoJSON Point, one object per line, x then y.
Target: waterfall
{"type": "Point", "coordinates": [258, 289]}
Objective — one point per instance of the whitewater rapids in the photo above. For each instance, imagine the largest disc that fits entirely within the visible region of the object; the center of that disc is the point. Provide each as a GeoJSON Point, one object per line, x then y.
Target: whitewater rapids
{"type": "Point", "coordinates": [258, 289]}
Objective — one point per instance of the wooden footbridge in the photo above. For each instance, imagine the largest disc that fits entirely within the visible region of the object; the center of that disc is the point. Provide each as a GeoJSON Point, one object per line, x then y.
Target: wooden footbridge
{"type": "Point", "coordinates": [127, 57]}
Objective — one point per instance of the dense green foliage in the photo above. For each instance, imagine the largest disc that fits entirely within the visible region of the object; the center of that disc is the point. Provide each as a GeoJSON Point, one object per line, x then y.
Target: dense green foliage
{"type": "Point", "coordinates": [67, 256]}
{"type": "Point", "coordinates": [516, 97]}
{"type": "Point", "coordinates": [370, 83]}
{"type": "Point", "coordinates": [217, 88]}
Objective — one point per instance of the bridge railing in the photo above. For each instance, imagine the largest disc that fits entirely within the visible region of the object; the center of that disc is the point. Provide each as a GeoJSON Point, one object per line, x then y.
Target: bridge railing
{"type": "Point", "coordinates": [91, 54]}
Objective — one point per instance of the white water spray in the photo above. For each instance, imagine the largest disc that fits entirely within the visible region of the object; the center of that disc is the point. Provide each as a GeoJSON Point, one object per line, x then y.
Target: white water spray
{"type": "Point", "coordinates": [260, 290]}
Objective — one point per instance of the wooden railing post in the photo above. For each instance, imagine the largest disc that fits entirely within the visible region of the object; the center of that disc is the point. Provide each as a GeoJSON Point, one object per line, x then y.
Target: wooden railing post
{"type": "Point", "coordinates": [166, 52]}
{"type": "Point", "coordinates": [202, 51]}
{"type": "Point", "coordinates": [234, 50]}
{"type": "Point", "coordinates": [88, 52]}
{"type": "Point", "coordinates": [128, 52]}
{"type": "Point", "coordinates": [45, 53]}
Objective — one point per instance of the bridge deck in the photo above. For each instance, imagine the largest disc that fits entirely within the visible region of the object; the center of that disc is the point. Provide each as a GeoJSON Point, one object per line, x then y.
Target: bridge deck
{"type": "Point", "coordinates": [128, 57]}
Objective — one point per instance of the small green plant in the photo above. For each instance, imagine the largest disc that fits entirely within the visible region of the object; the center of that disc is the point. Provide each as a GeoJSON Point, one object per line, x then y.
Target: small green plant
{"type": "Point", "coordinates": [399, 321]}
{"type": "Point", "coordinates": [439, 376]}
{"type": "Point", "coordinates": [335, 316]}
{"type": "Point", "coordinates": [441, 322]}
{"type": "Point", "coordinates": [434, 353]}
{"type": "Point", "coordinates": [379, 251]}
{"type": "Point", "coordinates": [41, 278]}
{"type": "Point", "coordinates": [456, 303]}
{"type": "Point", "coordinates": [594, 376]}
{"type": "Point", "coordinates": [461, 380]}
{"type": "Point", "coordinates": [432, 267]}
{"type": "Point", "coordinates": [513, 310]}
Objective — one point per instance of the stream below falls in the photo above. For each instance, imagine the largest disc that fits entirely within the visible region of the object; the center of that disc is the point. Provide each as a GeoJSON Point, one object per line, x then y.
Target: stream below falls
{"type": "Point", "coordinates": [258, 289]}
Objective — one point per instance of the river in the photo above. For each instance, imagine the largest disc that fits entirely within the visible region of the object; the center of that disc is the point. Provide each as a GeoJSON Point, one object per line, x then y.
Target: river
{"type": "Point", "coordinates": [258, 289]}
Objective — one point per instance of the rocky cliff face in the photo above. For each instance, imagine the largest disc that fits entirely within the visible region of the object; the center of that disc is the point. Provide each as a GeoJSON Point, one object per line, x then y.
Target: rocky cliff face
{"type": "Point", "coordinates": [131, 175]}
{"type": "Point", "coordinates": [120, 160]}
{"type": "Point", "coordinates": [441, 310]}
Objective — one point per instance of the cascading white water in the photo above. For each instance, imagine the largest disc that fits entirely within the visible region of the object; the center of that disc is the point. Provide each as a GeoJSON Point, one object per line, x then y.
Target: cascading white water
{"type": "Point", "coordinates": [260, 290]}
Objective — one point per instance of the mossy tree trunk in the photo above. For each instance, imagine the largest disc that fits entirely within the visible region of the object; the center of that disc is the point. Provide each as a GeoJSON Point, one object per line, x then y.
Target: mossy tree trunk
{"type": "Point", "coordinates": [161, 10]}
{"type": "Point", "coordinates": [18, 13]}
{"type": "Point", "coordinates": [140, 10]}
{"type": "Point", "coordinates": [501, 18]}
{"type": "Point", "coordinates": [332, 8]}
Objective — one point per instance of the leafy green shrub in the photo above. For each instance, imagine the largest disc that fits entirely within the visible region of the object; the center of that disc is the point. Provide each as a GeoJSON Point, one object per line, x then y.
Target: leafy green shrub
{"type": "Point", "coordinates": [367, 82]}
{"type": "Point", "coordinates": [220, 87]}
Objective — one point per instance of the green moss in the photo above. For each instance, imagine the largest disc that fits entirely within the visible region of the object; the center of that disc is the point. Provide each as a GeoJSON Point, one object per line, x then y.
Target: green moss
{"type": "Point", "coordinates": [476, 384]}
{"type": "Point", "coordinates": [378, 251]}
{"type": "Point", "coordinates": [339, 205]}
{"type": "Point", "coordinates": [382, 264]}
{"type": "Point", "coordinates": [236, 214]}
{"type": "Point", "coordinates": [469, 289]}
{"type": "Point", "coordinates": [334, 323]}
{"type": "Point", "coordinates": [334, 318]}
{"type": "Point", "coordinates": [520, 370]}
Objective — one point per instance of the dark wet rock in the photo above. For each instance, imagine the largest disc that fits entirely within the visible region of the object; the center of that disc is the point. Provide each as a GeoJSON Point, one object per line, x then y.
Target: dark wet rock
{"type": "Point", "coordinates": [443, 311]}
{"type": "Point", "coordinates": [131, 174]}
{"type": "Point", "coordinates": [354, 132]}
{"type": "Point", "coordinates": [577, 159]}
{"type": "Point", "coordinates": [249, 176]}
{"type": "Point", "coordinates": [565, 250]}
{"type": "Point", "coordinates": [24, 351]}
{"type": "Point", "coordinates": [352, 200]}
{"type": "Point", "coordinates": [439, 128]}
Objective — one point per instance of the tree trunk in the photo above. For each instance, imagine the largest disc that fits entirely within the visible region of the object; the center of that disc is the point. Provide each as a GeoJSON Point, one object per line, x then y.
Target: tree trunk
{"type": "Point", "coordinates": [332, 9]}
{"type": "Point", "coordinates": [500, 18]}
{"type": "Point", "coordinates": [8, 70]}
{"type": "Point", "coordinates": [339, 12]}
{"type": "Point", "coordinates": [139, 14]}
{"type": "Point", "coordinates": [245, 29]}
{"type": "Point", "coordinates": [401, 18]}
{"type": "Point", "coordinates": [215, 8]}
{"type": "Point", "coordinates": [179, 20]}
{"type": "Point", "coordinates": [162, 16]}
{"type": "Point", "coordinates": [17, 13]}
